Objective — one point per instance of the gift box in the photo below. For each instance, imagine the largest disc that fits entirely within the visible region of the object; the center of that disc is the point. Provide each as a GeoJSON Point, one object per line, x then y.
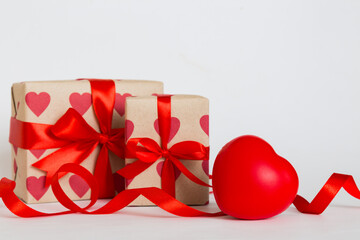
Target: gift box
{"type": "Point", "coordinates": [80, 121]}
{"type": "Point", "coordinates": [167, 141]}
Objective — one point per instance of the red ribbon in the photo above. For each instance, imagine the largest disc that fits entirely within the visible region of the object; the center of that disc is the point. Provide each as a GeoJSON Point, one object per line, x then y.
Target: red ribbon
{"type": "Point", "coordinates": [147, 151]}
{"type": "Point", "coordinates": [124, 198]}
{"type": "Point", "coordinates": [158, 196]}
{"type": "Point", "coordinates": [327, 194]}
{"type": "Point", "coordinates": [75, 138]}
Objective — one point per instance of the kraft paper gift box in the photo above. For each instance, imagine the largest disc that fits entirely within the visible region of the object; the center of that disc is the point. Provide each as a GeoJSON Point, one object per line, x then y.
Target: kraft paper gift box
{"type": "Point", "coordinates": [189, 122]}
{"type": "Point", "coordinates": [45, 102]}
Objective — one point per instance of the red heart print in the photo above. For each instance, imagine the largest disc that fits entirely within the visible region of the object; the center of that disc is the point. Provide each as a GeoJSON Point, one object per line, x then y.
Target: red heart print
{"type": "Point", "coordinates": [129, 128]}
{"type": "Point", "coordinates": [175, 125]}
{"type": "Point", "coordinates": [119, 182]}
{"type": "Point", "coordinates": [38, 152]}
{"type": "Point", "coordinates": [204, 123]}
{"type": "Point", "coordinates": [37, 102]}
{"type": "Point", "coordinates": [128, 181]}
{"type": "Point", "coordinates": [120, 103]}
{"type": "Point", "coordinates": [36, 186]}
{"type": "Point", "coordinates": [15, 166]}
{"type": "Point", "coordinates": [80, 102]}
{"type": "Point", "coordinates": [78, 185]}
{"type": "Point", "coordinates": [205, 166]}
{"type": "Point", "coordinates": [159, 167]}
{"type": "Point", "coordinates": [15, 149]}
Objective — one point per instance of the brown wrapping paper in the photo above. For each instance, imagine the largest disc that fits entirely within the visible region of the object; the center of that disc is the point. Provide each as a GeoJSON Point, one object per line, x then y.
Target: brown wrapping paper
{"type": "Point", "coordinates": [190, 122]}
{"type": "Point", "coordinates": [45, 102]}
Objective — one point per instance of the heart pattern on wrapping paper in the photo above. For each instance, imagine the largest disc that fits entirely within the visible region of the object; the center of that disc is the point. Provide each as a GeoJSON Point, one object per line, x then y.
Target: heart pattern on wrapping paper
{"type": "Point", "coordinates": [15, 149]}
{"type": "Point", "coordinates": [37, 103]}
{"type": "Point", "coordinates": [120, 103]}
{"type": "Point", "coordinates": [37, 152]}
{"type": "Point", "coordinates": [159, 167]}
{"type": "Point", "coordinates": [204, 123]}
{"type": "Point", "coordinates": [78, 185]}
{"type": "Point", "coordinates": [129, 128]}
{"type": "Point", "coordinates": [119, 182]}
{"type": "Point", "coordinates": [36, 186]}
{"type": "Point", "coordinates": [80, 102]}
{"type": "Point", "coordinates": [205, 166]}
{"type": "Point", "coordinates": [175, 126]}
{"type": "Point", "coordinates": [128, 181]}
{"type": "Point", "coordinates": [15, 166]}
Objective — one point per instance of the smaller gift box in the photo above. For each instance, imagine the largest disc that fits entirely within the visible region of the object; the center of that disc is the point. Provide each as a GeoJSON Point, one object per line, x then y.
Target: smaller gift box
{"type": "Point", "coordinates": [167, 140]}
{"type": "Point", "coordinates": [56, 122]}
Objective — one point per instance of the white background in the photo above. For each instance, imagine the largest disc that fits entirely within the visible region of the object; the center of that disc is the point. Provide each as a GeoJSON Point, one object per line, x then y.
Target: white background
{"type": "Point", "coordinates": [287, 71]}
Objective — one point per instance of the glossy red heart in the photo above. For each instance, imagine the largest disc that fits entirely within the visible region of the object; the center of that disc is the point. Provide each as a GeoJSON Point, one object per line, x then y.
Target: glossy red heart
{"type": "Point", "coordinates": [250, 181]}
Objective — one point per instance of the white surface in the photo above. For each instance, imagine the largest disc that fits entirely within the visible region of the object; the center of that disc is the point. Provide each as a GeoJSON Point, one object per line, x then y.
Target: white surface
{"type": "Point", "coordinates": [287, 71]}
{"type": "Point", "coordinates": [339, 222]}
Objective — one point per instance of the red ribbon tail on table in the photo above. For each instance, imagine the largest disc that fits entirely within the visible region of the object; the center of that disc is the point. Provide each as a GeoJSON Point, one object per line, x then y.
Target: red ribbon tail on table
{"type": "Point", "coordinates": [123, 199]}
{"type": "Point", "coordinates": [327, 194]}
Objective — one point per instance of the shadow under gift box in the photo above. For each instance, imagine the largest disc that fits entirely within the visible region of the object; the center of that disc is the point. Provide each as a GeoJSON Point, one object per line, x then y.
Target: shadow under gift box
{"type": "Point", "coordinates": [45, 102]}
{"type": "Point", "coordinates": [189, 122]}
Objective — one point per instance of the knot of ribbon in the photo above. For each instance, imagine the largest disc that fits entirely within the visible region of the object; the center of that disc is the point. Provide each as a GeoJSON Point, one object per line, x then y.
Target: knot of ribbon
{"type": "Point", "coordinates": [148, 151]}
{"type": "Point", "coordinates": [76, 139]}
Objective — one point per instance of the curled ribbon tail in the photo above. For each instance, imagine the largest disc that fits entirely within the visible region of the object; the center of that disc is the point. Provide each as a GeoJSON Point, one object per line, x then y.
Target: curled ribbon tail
{"type": "Point", "coordinates": [327, 194]}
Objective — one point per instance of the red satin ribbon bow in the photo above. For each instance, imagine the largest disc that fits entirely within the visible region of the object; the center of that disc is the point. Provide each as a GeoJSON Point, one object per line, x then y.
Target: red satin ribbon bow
{"type": "Point", "coordinates": [147, 151]}
{"type": "Point", "coordinates": [76, 139]}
